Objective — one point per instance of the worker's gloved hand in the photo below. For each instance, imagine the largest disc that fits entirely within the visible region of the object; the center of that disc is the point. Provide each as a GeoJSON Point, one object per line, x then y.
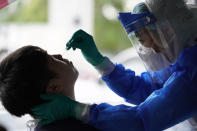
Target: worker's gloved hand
{"type": "Point", "coordinates": [85, 42]}
{"type": "Point", "coordinates": [59, 107]}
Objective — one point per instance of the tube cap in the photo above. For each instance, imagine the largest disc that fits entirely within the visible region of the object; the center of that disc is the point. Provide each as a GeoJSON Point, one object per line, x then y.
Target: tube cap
{"type": "Point", "coordinates": [4, 3]}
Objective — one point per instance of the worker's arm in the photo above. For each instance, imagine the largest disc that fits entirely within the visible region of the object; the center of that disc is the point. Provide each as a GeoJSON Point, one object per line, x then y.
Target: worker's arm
{"type": "Point", "coordinates": [124, 82]}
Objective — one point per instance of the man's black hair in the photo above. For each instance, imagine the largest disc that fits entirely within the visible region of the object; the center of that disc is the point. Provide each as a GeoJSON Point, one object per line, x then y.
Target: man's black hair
{"type": "Point", "coordinates": [24, 75]}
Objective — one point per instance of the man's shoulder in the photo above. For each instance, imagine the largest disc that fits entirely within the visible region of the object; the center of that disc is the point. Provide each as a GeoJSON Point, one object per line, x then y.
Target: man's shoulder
{"type": "Point", "coordinates": [66, 125]}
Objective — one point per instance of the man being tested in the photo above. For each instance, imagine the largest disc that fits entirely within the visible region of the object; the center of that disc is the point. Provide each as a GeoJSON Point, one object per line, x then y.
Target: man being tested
{"type": "Point", "coordinates": [30, 72]}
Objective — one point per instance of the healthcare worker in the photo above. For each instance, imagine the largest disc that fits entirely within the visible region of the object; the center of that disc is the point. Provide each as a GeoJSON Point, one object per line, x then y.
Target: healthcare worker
{"type": "Point", "coordinates": [164, 34]}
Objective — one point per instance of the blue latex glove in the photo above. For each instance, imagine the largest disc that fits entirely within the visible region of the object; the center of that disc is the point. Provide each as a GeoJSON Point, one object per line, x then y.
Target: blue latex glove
{"type": "Point", "coordinates": [59, 107]}
{"type": "Point", "coordinates": [85, 42]}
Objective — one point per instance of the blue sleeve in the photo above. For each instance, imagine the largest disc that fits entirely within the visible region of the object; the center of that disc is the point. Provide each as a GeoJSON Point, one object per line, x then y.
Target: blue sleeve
{"type": "Point", "coordinates": [134, 89]}
{"type": "Point", "coordinates": [106, 117]}
{"type": "Point", "coordinates": [165, 107]}
{"type": "Point", "coordinates": [172, 104]}
{"type": "Point", "coordinates": [176, 101]}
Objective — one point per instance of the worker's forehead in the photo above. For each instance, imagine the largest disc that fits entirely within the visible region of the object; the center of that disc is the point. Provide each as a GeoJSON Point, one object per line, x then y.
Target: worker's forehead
{"type": "Point", "coordinates": [141, 30]}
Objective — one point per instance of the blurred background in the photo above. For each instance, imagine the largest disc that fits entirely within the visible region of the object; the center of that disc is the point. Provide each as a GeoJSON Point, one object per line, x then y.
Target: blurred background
{"type": "Point", "coordinates": [49, 24]}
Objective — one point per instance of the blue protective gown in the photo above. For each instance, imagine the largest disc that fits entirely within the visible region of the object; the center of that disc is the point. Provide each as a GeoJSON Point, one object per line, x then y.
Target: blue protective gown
{"type": "Point", "coordinates": [158, 106]}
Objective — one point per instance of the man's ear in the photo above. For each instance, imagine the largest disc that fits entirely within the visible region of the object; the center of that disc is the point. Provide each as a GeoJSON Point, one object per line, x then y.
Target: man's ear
{"type": "Point", "coordinates": [53, 87]}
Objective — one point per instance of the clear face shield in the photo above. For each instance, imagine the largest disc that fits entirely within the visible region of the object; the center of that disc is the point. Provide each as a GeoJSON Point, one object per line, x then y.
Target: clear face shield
{"type": "Point", "coordinates": [148, 40]}
{"type": "Point", "coordinates": [151, 48]}
{"type": "Point", "coordinates": [155, 44]}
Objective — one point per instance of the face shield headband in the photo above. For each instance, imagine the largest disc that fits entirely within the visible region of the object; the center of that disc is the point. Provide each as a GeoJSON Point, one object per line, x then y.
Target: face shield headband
{"type": "Point", "coordinates": [133, 22]}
